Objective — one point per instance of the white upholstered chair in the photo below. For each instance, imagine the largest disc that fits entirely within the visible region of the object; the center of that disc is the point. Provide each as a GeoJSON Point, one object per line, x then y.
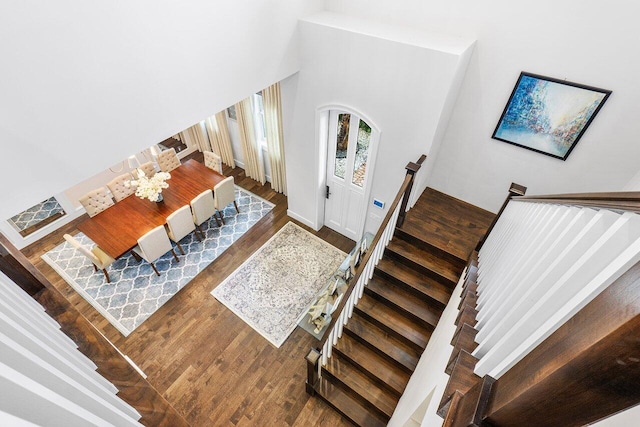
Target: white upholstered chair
{"type": "Point", "coordinates": [118, 187]}
{"type": "Point", "coordinates": [148, 168]}
{"type": "Point", "coordinates": [203, 208]}
{"type": "Point", "coordinates": [180, 224]}
{"type": "Point", "coordinates": [213, 161]}
{"type": "Point", "coordinates": [96, 201]}
{"type": "Point", "coordinates": [153, 245]}
{"type": "Point", "coordinates": [97, 256]}
{"type": "Point", "coordinates": [168, 160]}
{"type": "Point", "coordinates": [224, 193]}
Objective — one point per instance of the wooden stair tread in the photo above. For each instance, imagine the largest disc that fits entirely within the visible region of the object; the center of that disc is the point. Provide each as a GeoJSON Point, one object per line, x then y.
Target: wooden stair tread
{"type": "Point", "coordinates": [374, 365]}
{"type": "Point", "coordinates": [382, 341]}
{"type": "Point", "coordinates": [404, 250]}
{"type": "Point", "coordinates": [431, 233]}
{"type": "Point", "coordinates": [430, 288]}
{"type": "Point", "coordinates": [447, 223]}
{"type": "Point", "coordinates": [381, 288]}
{"type": "Point", "coordinates": [393, 321]}
{"type": "Point", "coordinates": [359, 383]}
{"type": "Point", "coordinates": [348, 406]}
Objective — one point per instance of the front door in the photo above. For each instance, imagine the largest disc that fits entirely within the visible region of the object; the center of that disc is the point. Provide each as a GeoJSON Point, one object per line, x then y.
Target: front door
{"type": "Point", "coordinates": [349, 168]}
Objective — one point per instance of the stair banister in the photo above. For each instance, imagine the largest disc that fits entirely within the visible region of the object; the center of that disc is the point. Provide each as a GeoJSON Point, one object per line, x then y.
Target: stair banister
{"type": "Point", "coordinates": [133, 388]}
{"type": "Point", "coordinates": [318, 357]}
{"type": "Point", "coordinates": [570, 265]}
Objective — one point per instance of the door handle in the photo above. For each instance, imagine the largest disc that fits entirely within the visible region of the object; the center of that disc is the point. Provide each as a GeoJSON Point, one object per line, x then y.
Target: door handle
{"type": "Point", "coordinates": [327, 193]}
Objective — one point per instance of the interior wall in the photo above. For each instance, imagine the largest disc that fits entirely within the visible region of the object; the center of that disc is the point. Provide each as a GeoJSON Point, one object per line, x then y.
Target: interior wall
{"type": "Point", "coordinates": [120, 76]}
{"type": "Point", "coordinates": [581, 41]}
{"type": "Point", "coordinates": [398, 80]}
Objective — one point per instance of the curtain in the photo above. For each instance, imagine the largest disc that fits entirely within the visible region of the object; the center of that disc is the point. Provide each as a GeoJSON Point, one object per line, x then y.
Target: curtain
{"type": "Point", "coordinates": [252, 153]}
{"type": "Point", "coordinates": [275, 143]}
{"type": "Point", "coordinates": [195, 137]}
{"type": "Point", "coordinates": [219, 137]}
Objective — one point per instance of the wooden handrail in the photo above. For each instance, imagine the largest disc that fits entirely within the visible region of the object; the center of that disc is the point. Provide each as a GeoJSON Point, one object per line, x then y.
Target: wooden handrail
{"type": "Point", "coordinates": [352, 282]}
{"type": "Point", "coordinates": [583, 372]}
{"type": "Point", "coordinates": [412, 169]}
{"type": "Point", "coordinates": [628, 201]}
{"type": "Point", "coordinates": [563, 376]}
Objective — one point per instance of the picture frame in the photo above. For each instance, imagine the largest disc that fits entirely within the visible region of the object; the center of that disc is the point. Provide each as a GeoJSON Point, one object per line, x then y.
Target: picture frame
{"type": "Point", "coordinates": [231, 113]}
{"type": "Point", "coordinates": [348, 274]}
{"type": "Point", "coordinates": [354, 260]}
{"type": "Point", "coordinates": [548, 115]}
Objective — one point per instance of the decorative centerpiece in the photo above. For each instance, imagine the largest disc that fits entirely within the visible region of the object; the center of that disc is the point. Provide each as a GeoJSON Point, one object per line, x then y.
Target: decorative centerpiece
{"type": "Point", "coordinates": [150, 188]}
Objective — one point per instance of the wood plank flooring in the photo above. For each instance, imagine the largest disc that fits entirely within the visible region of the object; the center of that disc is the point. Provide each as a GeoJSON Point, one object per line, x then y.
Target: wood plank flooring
{"type": "Point", "coordinates": [213, 368]}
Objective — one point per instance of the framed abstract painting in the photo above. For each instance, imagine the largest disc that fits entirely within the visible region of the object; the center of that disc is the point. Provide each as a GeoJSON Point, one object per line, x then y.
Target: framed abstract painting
{"type": "Point", "coordinates": [548, 115]}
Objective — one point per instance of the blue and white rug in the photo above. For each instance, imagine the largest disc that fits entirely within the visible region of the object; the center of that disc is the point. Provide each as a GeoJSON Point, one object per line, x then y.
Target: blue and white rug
{"type": "Point", "coordinates": [36, 214]}
{"type": "Point", "coordinates": [135, 291]}
{"type": "Point", "coordinates": [273, 290]}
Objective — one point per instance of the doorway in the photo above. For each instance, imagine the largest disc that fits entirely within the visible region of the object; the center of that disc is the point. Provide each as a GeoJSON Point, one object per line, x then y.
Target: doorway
{"type": "Point", "coordinates": [351, 143]}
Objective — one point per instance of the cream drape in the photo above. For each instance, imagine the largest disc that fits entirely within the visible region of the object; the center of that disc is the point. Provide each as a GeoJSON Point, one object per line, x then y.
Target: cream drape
{"type": "Point", "coordinates": [219, 137]}
{"type": "Point", "coordinates": [252, 154]}
{"type": "Point", "coordinates": [195, 136]}
{"type": "Point", "coordinates": [275, 142]}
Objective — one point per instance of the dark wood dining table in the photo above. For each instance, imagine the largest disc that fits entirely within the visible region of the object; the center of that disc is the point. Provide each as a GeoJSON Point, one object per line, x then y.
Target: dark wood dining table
{"type": "Point", "coordinates": [117, 229]}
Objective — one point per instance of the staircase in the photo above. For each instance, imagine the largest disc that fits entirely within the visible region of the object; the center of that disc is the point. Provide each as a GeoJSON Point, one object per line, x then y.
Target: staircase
{"type": "Point", "coordinates": [392, 323]}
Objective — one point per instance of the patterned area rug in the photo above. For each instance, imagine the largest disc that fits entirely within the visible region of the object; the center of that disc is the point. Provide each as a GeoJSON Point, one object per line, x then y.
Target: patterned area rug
{"type": "Point", "coordinates": [36, 214]}
{"type": "Point", "coordinates": [273, 289]}
{"type": "Point", "coordinates": [135, 291]}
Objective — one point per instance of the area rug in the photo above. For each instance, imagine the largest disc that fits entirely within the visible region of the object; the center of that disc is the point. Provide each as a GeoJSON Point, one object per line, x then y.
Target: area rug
{"type": "Point", "coordinates": [135, 291]}
{"type": "Point", "coordinates": [273, 290]}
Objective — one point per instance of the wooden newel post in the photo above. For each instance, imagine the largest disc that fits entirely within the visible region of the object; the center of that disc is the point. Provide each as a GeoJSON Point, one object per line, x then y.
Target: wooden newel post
{"type": "Point", "coordinates": [16, 266]}
{"type": "Point", "coordinates": [412, 169]}
{"type": "Point", "coordinates": [514, 190]}
{"type": "Point", "coordinates": [313, 358]}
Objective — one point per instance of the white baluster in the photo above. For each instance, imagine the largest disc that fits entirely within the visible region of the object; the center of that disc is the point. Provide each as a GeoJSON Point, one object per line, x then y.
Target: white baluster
{"type": "Point", "coordinates": [544, 294]}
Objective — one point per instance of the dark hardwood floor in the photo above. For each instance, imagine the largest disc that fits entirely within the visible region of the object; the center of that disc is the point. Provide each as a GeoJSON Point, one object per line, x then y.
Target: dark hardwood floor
{"type": "Point", "coordinates": [214, 369]}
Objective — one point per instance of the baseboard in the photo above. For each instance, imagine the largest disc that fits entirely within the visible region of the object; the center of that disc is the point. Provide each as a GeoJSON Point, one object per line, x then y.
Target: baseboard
{"type": "Point", "coordinates": [301, 219]}
{"type": "Point", "coordinates": [241, 165]}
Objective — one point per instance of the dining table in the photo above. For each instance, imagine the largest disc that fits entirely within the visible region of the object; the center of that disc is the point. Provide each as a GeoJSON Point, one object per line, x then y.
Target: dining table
{"type": "Point", "coordinates": [116, 230]}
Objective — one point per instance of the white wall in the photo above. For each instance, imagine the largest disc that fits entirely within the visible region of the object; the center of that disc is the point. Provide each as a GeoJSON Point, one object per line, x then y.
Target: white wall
{"type": "Point", "coordinates": [399, 80]}
{"type": "Point", "coordinates": [580, 40]}
{"type": "Point", "coordinates": [120, 76]}
{"type": "Point", "coordinates": [628, 418]}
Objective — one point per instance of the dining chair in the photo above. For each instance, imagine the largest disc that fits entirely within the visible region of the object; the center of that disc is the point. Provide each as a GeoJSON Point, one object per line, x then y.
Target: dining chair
{"type": "Point", "coordinates": [96, 201]}
{"type": "Point", "coordinates": [180, 224]}
{"type": "Point", "coordinates": [100, 259]}
{"type": "Point", "coordinates": [203, 208]}
{"type": "Point", "coordinates": [213, 161]}
{"type": "Point", "coordinates": [148, 168]}
{"type": "Point", "coordinates": [153, 245]}
{"type": "Point", "coordinates": [119, 188]}
{"type": "Point", "coordinates": [224, 193]}
{"type": "Point", "coordinates": [168, 160]}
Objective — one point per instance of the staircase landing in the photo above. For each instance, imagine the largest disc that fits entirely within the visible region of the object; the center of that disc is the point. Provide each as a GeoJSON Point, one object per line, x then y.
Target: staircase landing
{"type": "Point", "coordinates": [447, 223]}
{"type": "Point", "coordinates": [392, 323]}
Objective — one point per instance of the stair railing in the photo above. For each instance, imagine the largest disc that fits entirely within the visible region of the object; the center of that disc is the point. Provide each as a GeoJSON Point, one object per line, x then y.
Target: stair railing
{"type": "Point", "coordinates": [134, 389]}
{"type": "Point", "coordinates": [318, 357]}
{"type": "Point", "coordinates": [557, 303]}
